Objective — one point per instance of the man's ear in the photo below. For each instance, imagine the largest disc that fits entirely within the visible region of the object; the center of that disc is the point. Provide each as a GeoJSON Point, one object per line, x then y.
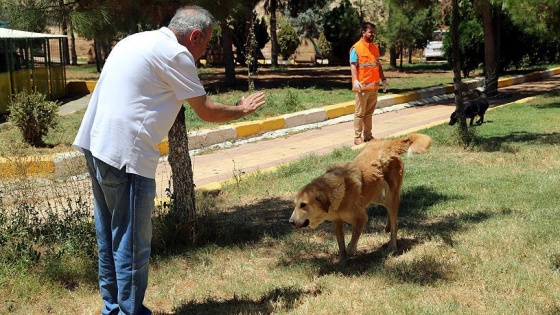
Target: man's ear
{"type": "Point", "coordinates": [196, 36]}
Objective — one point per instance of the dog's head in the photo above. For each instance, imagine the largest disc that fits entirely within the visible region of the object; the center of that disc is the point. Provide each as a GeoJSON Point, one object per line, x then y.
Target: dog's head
{"type": "Point", "coordinates": [311, 207]}
{"type": "Point", "coordinates": [453, 118]}
{"type": "Point", "coordinates": [319, 200]}
{"type": "Point", "coordinates": [479, 91]}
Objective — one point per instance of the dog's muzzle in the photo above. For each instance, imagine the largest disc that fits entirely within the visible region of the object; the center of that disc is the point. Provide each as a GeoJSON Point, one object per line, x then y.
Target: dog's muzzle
{"type": "Point", "coordinates": [299, 226]}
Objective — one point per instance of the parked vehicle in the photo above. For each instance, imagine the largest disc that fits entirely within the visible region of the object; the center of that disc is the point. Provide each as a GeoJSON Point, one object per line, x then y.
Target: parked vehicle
{"type": "Point", "coordinates": [434, 49]}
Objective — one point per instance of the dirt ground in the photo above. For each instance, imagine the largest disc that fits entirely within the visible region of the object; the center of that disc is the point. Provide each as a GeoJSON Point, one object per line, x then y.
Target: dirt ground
{"type": "Point", "coordinates": [300, 76]}
{"type": "Point", "coordinates": [295, 76]}
{"type": "Point", "coordinates": [303, 76]}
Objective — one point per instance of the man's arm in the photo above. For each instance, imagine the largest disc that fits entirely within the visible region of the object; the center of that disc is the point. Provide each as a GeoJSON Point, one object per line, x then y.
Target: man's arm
{"type": "Point", "coordinates": [211, 111]}
{"type": "Point", "coordinates": [354, 64]}
{"type": "Point", "coordinates": [354, 70]}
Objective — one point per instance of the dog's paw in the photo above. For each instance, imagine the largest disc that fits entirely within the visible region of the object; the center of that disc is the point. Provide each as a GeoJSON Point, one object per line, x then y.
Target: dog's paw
{"type": "Point", "coordinates": [391, 247]}
{"type": "Point", "coordinates": [342, 259]}
{"type": "Point", "coordinates": [351, 251]}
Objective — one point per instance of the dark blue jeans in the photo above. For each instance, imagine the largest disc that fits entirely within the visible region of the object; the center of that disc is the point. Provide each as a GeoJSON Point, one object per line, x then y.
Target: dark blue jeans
{"type": "Point", "coordinates": [123, 205]}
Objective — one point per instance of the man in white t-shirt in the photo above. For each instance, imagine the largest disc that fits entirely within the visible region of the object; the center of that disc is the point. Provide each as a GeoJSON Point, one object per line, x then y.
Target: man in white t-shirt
{"type": "Point", "coordinates": [136, 100]}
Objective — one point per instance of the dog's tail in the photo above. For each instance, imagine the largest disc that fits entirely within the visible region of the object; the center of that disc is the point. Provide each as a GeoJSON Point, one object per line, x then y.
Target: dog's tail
{"type": "Point", "coordinates": [413, 143]}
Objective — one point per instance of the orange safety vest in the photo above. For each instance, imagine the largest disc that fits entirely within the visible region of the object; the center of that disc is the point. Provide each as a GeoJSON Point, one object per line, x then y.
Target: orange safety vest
{"type": "Point", "coordinates": [368, 64]}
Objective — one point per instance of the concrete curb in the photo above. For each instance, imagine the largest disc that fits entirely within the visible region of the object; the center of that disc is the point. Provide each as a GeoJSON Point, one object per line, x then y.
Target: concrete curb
{"type": "Point", "coordinates": [204, 138]}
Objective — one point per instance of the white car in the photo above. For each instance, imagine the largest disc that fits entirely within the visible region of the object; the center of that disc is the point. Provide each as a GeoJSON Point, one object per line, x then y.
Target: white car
{"type": "Point", "coordinates": [434, 49]}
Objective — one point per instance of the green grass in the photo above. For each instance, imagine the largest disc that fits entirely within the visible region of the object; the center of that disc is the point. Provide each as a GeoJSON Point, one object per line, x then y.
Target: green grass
{"type": "Point", "coordinates": [478, 234]}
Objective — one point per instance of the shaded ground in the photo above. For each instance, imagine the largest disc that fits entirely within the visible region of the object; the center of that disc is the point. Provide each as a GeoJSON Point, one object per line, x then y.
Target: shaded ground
{"type": "Point", "coordinates": [326, 77]}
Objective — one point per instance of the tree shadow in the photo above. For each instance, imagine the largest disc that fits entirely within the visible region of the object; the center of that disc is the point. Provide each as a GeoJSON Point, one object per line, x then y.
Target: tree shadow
{"type": "Point", "coordinates": [267, 304]}
{"type": "Point", "coordinates": [503, 143]}
{"type": "Point", "coordinates": [550, 94]}
{"type": "Point", "coordinates": [305, 76]}
{"type": "Point", "coordinates": [268, 218]}
{"type": "Point", "coordinates": [364, 261]}
{"type": "Point", "coordinates": [415, 202]}
{"type": "Point", "coordinates": [422, 270]}
{"type": "Point", "coordinates": [295, 77]}
{"type": "Point", "coordinates": [445, 227]}
{"type": "Point", "coordinates": [249, 223]}
{"type": "Point", "coordinates": [237, 226]}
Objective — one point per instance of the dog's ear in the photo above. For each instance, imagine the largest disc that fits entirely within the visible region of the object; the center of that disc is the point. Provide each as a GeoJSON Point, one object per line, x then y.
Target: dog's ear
{"type": "Point", "coordinates": [324, 200]}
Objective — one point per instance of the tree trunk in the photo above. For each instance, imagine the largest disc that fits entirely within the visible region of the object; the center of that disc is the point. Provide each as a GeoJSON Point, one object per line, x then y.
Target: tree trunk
{"type": "Point", "coordinates": [273, 36]}
{"type": "Point", "coordinates": [490, 48]}
{"type": "Point", "coordinates": [393, 56]}
{"type": "Point", "coordinates": [250, 51]}
{"type": "Point", "coordinates": [97, 54]}
{"type": "Point", "coordinates": [183, 182]}
{"type": "Point", "coordinates": [457, 84]}
{"type": "Point", "coordinates": [229, 63]}
{"type": "Point", "coordinates": [64, 28]}
{"type": "Point", "coordinates": [73, 46]}
{"type": "Point", "coordinates": [401, 55]}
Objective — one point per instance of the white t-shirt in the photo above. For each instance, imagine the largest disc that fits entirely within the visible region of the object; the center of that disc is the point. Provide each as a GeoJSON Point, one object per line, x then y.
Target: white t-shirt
{"type": "Point", "coordinates": [136, 100]}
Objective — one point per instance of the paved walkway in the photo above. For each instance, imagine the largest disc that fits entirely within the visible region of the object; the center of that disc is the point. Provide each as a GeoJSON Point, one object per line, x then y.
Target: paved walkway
{"type": "Point", "coordinates": [210, 169]}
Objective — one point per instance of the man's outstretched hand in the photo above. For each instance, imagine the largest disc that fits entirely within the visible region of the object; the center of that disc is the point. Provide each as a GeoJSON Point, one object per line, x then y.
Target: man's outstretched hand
{"type": "Point", "coordinates": [252, 102]}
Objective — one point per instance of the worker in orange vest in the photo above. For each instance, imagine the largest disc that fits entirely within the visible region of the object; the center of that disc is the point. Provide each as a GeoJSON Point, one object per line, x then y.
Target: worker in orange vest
{"type": "Point", "coordinates": [366, 76]}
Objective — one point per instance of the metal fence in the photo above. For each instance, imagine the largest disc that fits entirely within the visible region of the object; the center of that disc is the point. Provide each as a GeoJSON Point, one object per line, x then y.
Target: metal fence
{"type": "Point", "coordinates": [31, 61]}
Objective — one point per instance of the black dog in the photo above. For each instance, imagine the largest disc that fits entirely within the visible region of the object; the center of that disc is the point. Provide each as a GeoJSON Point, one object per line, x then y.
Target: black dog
{"type": "Point", "coordinates": [473, 108]}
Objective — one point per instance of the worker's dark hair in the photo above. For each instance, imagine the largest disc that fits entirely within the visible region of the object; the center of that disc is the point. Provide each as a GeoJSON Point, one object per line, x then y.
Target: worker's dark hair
{"type": "Point", "coordinates": [367, 25]}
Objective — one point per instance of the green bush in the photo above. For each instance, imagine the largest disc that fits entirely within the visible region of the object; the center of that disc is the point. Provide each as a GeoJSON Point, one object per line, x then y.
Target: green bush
{"type": "Point", "coordinates": [292, 100]}
{"type": "Point", "coordinates": [32, 234]}
{"type": "Point", "coordinates": [324, 46]}
{"type": "Point", "coordinates": [288, 41]}
{"type": "Point", "coordinates": [342, 29]}
{"type": "Point", "coordinates": [33, 115]}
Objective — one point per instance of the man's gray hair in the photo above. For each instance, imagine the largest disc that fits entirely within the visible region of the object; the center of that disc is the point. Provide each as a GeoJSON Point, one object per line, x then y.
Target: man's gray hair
{"type": "Point", "coordinates": [189, 18]}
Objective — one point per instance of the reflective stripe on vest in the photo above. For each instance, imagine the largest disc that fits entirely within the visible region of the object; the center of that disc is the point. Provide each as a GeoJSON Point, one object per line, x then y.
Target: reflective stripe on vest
{"type": "Point", "coordinates": [368, 65]}
{"type": "Point", "coordinates": [370, 84]}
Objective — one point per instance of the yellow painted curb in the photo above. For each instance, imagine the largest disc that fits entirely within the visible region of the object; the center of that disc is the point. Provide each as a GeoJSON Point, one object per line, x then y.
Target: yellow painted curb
{"type": "Point", "coordinates": [212, 186]}
{"type": "Point", "coordinates": [74, 88]}
{"type": "Point", "coordinates": [334, 111]}
{"type": "Point", "coordinates": [163, 147]}
{"type": "Point", "coordinates": [449, 89]}
{"type": "Point", "coordinates": [349, 107]}
{"type": "Point", "coordinates": [273, 123]}
{"type": "Point", "coordinates": [521, 101]}
{"type": "Point", "coordinates": [534, 76]}
{"type": "Point", "coordinates": [247, 128]}
{"type": "Point", "coordinates": [29, 165]}
{"type": "Point", "coordinates": [405, 98]}
{"type": "Point", "coordinates": [505, 82]}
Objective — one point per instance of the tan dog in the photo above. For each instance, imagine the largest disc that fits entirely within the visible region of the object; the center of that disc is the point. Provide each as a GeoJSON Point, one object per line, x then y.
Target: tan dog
{"type": "Point", "coordinates": [342, 194]}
